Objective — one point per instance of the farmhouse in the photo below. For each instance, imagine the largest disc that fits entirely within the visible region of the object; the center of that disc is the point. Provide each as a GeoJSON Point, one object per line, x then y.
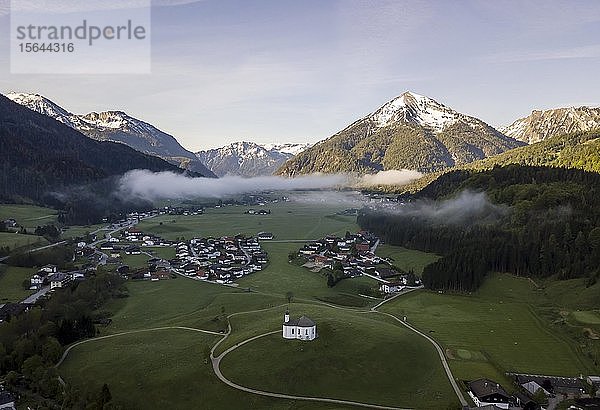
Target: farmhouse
{"type": "Point", "coordinates": [391, 287]}
{"type": "Point", "coordinates": [49, 268]}
{"type": "Point", "coordinates": [594, 381]}
{"type": "Point", "coordinates": [132, 250]}
{"type": "Point", "coordinates": [385, 273]}
{"type": "Point", "coordinates": [486, 392]}
{"type": "Point", "coordinates": [569, 386]}
{"type": "Point", "coordinates": [302, 328]}
{"type": "Point", "coordinates": [59, 280]}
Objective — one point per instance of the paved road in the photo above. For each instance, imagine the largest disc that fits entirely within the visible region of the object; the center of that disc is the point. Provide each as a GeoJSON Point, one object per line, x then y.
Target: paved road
{"type": "Point", "coordinates": [451, 378]}
{"type": "Point", "coordinates": [31, 299]}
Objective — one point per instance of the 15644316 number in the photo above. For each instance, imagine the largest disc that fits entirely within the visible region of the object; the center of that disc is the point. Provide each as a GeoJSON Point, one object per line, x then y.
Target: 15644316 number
{"type": "Point", "coordinates": [46, 47]}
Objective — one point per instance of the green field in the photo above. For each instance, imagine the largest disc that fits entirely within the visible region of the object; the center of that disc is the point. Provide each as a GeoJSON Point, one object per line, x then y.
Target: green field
{"type": "Point", "coordinates": [407, 259]}
{"type": "Point", "coordinates": [339, 364]}
{"type": "Point", "coordinates": [161, 252]}
{"type": "Point", "coordinates": [135, 261]}
{"type": "Point", "coordinates": [280, 276]}
{"type": "Point", "coordinates": [286, 221]}
{"type": "Point", "coordinates": [588, 317]}
{"type": "Point", "coordinates": [28, 216]}
{"type": "Point", "coordinates": [163, 369]}
{"type": "Point", "coordinates": [16, 240]}
{"type": "Point", "coordinates": [493, 331]}
{"type": "Point", "coordinates": [76, 231]}
{"type": "Point", "coordinates": [11, 280]}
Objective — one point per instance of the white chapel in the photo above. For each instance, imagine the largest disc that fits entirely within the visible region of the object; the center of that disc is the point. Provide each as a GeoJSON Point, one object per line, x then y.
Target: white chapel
{"type": "Point", "coordinates": [302, 328]}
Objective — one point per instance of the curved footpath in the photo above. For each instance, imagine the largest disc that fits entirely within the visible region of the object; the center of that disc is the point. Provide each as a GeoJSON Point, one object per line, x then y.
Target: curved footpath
{"type": "Point", "coordinates": [451, 378]}
{"type": "Point", "coordinates": [130, 332]}
{"type": "Point", "coordinates": [216, 360]}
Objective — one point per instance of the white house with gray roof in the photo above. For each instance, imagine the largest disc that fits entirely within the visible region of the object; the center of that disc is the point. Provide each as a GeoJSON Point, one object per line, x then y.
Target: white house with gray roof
{"type": "Point", "coordinates": [302, 328]}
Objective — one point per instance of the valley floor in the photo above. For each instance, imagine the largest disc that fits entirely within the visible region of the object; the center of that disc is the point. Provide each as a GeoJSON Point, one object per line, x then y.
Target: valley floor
{"type": "Point", "coordinates": [156, 358]}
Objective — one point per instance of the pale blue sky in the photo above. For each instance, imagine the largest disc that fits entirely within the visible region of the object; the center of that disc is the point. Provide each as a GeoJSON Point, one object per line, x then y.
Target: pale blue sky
{"type": "Point", "coordinates": [298, 71]}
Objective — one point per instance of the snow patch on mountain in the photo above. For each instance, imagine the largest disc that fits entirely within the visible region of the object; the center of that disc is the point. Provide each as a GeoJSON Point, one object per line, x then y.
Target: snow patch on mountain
{"type": "Point", "coordinates": [248, 159]}
{"type": "Point", "coordinates": [419, 110]}
{"type": "Point", "coordinates": [117, 126]}
{"type": "Point", "coordinates": [540, 125]}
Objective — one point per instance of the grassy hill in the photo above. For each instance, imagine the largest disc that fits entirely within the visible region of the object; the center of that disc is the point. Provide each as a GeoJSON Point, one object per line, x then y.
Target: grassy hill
{"type": "Point", "coordinates": [578, 150]}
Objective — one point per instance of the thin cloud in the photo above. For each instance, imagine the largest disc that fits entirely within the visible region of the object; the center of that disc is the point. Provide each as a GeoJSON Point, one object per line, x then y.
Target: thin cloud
{"type": "Point", "coordinates": [152, 186]}
{"type": "Point", "coordinates": [582, 52]}
{"type": "Point", "coordinates": [77, 6]}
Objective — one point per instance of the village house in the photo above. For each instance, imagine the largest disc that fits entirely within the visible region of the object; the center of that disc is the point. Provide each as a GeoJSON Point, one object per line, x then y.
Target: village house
{"type": "Point", "coordinates": [594, 381]}
{"type": "Point", "coordinates": [568, 386]}
{"type": "Point", "coordinates": [7, 400]}
{"type": "Point", "coordinates": [59, 280]}
{"type": "Point", "coordinates": [392, 287]}
{"type": "Point", "coordinates": [133, 250]}
{"type": "Point", "coordinates": [485, 392]}
{"type": "Point", "coordinates": [264, 236]}
{"type": "Point", "coordinates": [49, 269]}
{"type": "Point", "coordinates": [10, 223]}
{"type": "Point", "coordinates": [302, 328]}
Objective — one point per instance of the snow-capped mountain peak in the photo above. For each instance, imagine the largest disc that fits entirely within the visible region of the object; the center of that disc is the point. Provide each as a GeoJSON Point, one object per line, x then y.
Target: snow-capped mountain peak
{"type": "Point", "coordinates": [416, 109]}
{"type": "Point", "coordinates": [247, 158]}
{"type": "Point", "coordinates": [43, 105]}
{"type": "Point", "coordinates": [116, 126]}
{"type": "Point", "coordinates": [289, 148]}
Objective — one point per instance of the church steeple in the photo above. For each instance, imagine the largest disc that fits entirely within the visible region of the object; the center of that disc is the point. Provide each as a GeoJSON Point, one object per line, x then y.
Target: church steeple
{"type": "Point", "coordinates": [286, 317]}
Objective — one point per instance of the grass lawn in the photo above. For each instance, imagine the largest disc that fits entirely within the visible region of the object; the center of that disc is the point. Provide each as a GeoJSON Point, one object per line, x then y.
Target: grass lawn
{"type": "Point", "coordinates": [407, 259]}
{"type": "Point", "coordinates": [496, 329]}
{"type": "Point", "coordinates": [163, 252]}
{"type": "Point", "coordinates": [28, 216]}
{"type": "Point", "coordinates": [11, 279]}
{"type": "Point", "coordinates": [16, 240]}
{"type": "Point", "coordinates": [182, 302]}
{"type": "Point", "coordinates": [588, 317]}
{"type": "Point", "coordinates": [361, 357]}
{"type": "Point", "coordinates": [162, 369]}
{"type": "Point", "coordinates": [135, 261]}
{"type": "Point", "coordinates": [80, 231]}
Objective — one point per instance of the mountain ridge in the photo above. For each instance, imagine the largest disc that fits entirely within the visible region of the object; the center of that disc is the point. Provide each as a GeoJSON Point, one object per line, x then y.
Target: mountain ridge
{"type": "Point", "coordinates": [410, 131]}
{"type": "Point", "coordinates": [541, 124]}
{"type": "Point", "coordinates": [248, 159]}
{"type": "Point", "coordinates": [117, 126]}
{"type": "Point", "coordinates": [41, 155]}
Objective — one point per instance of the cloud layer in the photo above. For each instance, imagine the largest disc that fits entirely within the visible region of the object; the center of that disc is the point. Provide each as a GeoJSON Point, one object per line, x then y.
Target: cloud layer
{"type": "Point", "coordinates": [168, 185]}
{"type": "Point", "coordinates": [466, 208]}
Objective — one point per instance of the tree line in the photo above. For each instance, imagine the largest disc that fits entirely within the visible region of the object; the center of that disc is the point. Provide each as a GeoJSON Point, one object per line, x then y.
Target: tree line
{"type": "Point", "coordinates": [32, 342]}
{"type": "Point", "coordinates": [552, 227]}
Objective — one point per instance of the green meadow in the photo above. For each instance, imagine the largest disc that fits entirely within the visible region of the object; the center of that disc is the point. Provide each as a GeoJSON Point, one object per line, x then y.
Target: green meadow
{"type": "Point", "coordinates": [407, 259]}
{"type": "Point", "coordinates": [17, 240]}
{"type": "Point", "coordinates": [11, 283]}
{"type": "Point", "coordinates": [287, 221]}
{"type": "Point", "coordinates": [28, 216]}
{"type": "Point", "coordinates": [501, 328]}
